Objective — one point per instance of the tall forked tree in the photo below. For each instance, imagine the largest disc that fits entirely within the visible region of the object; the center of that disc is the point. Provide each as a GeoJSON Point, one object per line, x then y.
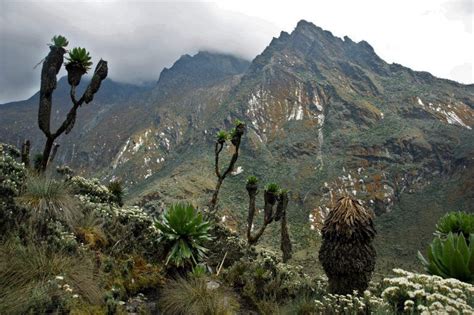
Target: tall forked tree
{"type": "Point", "coordinates": [347, 253]}
{"type": "Point", "coordinates": [78, 63]}
{"type": "Point", "coordinates": [275, 205]}
{"type": "Point", "coordinates": [235, 138]}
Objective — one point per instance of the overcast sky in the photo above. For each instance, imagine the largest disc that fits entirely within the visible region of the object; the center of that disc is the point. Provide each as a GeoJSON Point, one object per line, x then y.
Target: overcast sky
{"type": "Point", "coordinates": [139, 38]}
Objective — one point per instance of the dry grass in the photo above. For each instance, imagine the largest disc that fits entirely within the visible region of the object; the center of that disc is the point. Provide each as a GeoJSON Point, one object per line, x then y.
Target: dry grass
{"type": "Point", "coordinates": [26, 272]}
{"type": "Point", "coordinates": [195, 296]}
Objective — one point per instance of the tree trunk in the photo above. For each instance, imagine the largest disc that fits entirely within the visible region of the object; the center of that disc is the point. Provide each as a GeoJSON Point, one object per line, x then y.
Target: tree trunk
{"type": "Point", "coordinates": [46, 152]}
{"type": "Point", "coordinates": [216, 193]}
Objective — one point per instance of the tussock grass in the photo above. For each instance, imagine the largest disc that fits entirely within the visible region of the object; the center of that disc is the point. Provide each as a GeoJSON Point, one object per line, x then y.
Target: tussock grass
{"type": "Point", "coordinates": [26, 272]}
{"type": "Point", "coordinates": [47, 198]}
{"type": "Point", "coordinates": [196, 296]}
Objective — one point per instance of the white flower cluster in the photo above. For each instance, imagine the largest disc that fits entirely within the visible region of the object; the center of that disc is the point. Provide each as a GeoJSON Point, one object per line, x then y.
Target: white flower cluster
{"type": "Point", "coordinates": [428, 294]}
{"type": "Point", "coordinates": [91, 188]}
{"type": "Point", "coordinates": [12, 173]}
{"type": "Point", "coordinates": [351, 304]}
{"type": "Point", "coordinates": [59, 283]}
{"type": "Point", "coordinates": [409, 293]}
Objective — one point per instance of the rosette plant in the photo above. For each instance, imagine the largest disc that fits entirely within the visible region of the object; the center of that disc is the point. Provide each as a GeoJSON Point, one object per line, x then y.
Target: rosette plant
{"type": "Point", "coordinates": [456, 222]}
{"type": "Point", "coordinates": [184, 231]}
{"type": "Point", "coordinates": [78, 63]}
{"type": "Point", "coordinates": [451, 257]}
{"type": "Point", "coordinates": [59, 41]}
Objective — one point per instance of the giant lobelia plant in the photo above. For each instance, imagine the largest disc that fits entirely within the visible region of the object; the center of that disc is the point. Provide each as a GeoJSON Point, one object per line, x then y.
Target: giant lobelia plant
{"type": "Point", "coordinates": [184, 231]}
{"type": "Point", "coordinates": [452, 257]}
{"type": "Point", "coordinates": [347, 253]}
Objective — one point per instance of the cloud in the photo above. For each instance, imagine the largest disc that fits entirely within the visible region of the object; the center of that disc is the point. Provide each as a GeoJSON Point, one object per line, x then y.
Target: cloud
{"type": "Point", "coordinates": [462, 10]}
{"type": "Point", "coordinates": [138, 39]}
{"type": "Point", "coordinates": [463, 72]}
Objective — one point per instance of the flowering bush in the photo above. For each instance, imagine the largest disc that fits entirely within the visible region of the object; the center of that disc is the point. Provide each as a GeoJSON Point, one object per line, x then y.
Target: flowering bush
{"type": "Point", "coordinates": [12, 172]}
{"type": "Point", "coordinates": [130, 226]}
{"type": "Point", "coordinates": [418, 292]}
{"type": "Point", "coordinates": [407, 293]}
{"type": "Point", "coordinates": [91, 188]}
{"type": "Point", "coordinates": [262, 277]}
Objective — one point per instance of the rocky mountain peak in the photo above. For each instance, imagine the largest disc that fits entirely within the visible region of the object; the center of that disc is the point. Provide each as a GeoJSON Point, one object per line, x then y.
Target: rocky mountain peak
{"type": "Point", "coordinates": [203, 69]}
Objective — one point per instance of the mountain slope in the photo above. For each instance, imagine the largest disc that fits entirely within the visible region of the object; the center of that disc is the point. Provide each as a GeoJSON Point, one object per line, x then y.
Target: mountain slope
{"type": "Point", "coordinates": [325, 117]}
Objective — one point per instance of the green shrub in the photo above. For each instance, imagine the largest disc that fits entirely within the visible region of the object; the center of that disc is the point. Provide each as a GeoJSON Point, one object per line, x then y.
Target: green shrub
{"type": "Point", "coordinates": [456, 222]}
{"type": "Point", "coordinates": [115, 187]}
{"type": "Point", "coordinates": [12, 173]}
{"type": "Point", "coordinates": [197, 296]}
{"type": "Point", "coordinates": [451, 258]}
{"type": "Point", "coordinates": [91, 188]}
{"type": "Point", "coordinates": [262, 278]}
{"type": "Point", "coordinates": [48, 199]}
{"type": "Point", "coordinates": [184, 231]}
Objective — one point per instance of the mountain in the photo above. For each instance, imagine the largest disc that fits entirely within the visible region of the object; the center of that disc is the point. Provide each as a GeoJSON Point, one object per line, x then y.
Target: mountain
{"type": "Point", "coordinates": [325, 116]}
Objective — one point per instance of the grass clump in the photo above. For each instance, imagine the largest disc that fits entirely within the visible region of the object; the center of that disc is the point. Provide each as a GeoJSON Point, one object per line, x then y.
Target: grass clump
{"type": "Point", "coordinates": [48, 199]}
{"type": "Point", "coordinates": [197, 295]}
{"type": "Point", "coordinates": [37, 280]}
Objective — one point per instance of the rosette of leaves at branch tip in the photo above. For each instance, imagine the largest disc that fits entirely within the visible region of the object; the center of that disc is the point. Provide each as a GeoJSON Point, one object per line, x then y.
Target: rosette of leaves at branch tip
{"type": "Point", "coordinates": [78, 63]}
{"type": "Point", "coordinates": [451, 257]}
{"type": "Point", "coordinates": [184, 232]}
{"type": "Point", "coordinates": [222, 136]}
{"type": "Point", "coordinates": [59, 41]}
{"type": "Point", "coordinates": [347, 253]}
{"type": "Point", "coordinates": [456, 222]}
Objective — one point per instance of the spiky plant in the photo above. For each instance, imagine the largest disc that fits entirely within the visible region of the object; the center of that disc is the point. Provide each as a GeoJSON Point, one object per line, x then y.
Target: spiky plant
{"type": "Point", "coordinates": [78, 63]}
{"type": "Point", "coordinates": [456, 222]}
{"type": "Point", "coordinates": [79, 56]}
{"type": "Point", "coordinates": [347, 253]}
{"type": "Point", "coordinates": [451, 257]}
{"type": "Point", "coordinates": [48, 199]}
{"type": "Point", "coordinates": [184, 231]}
{"type": "Point", "coordinates": [59, 41]}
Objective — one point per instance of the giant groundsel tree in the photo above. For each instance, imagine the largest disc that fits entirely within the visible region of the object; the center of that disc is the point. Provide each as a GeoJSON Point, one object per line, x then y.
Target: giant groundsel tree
{"type": "Point", "coordinates": [78, 63]}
